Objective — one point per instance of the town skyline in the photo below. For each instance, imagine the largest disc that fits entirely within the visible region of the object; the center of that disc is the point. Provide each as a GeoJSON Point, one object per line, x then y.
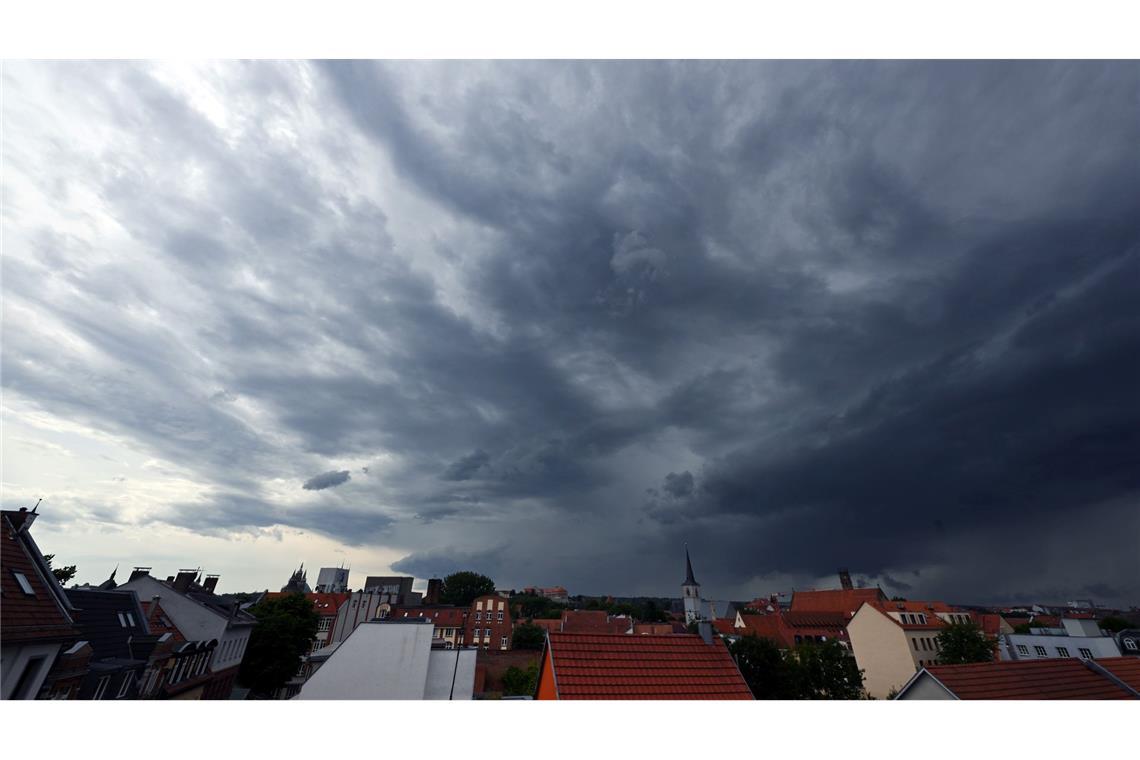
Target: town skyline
{"type": "Point", "coordinates": [551, 321]}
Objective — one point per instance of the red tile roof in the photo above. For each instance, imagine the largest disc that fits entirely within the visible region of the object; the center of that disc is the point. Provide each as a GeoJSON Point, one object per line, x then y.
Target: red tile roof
{"type": "Point", "coordinates": [442, 616]}
{"type": "Point", "coordinates": [27, 618]}
{"type": "Point", "coordinates": [677, 666]}
{"type": "Point", "coordinates": [929, 610]}
{"type": "Point", "coordinates": [1037, 679]}
{"type": "Point", "coordinates": [842, 600]}
{"type": "Point", "coordinates": [593, 621]}
{"type": "Point", "coordinates": [548, 625]}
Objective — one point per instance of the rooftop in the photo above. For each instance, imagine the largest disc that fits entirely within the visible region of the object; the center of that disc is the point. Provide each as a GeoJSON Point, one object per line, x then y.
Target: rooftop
{"type": "Point", "coordinates": [1040, 679]}
{"type": "Point", "coordinates": [615, 666]}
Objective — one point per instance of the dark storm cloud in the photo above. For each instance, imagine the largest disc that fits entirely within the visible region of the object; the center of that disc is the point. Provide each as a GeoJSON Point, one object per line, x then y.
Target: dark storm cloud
{"type": "Point", "coordinates": [801, 315]}
{"type": "Point", "coordinates": [330, 479]}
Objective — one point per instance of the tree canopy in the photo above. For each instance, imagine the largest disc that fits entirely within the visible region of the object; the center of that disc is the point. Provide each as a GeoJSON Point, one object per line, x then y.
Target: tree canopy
{"type": "Point", "coordinates": [812, 670]}
{"type": "Point", "coordinates": [963, 643]}
{"type": "Point", "coordinates": [62, 574]}
{"type": "Point", "coordinates": [528, 636]}
{"type": "Point", "coordinates": [464, 587]}
{"type": "Point", "coordinates": [520, 683]}
{"type": "Point", "coordinates": [1114, 624]}
{"type": "Point", "coordinates": [284, 633]}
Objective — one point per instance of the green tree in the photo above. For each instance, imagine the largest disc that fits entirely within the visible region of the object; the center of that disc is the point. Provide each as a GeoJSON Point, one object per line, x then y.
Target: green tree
{"type": "Point", "coordinates": [1114, 624]}
{"type": "Point", "coordinates": [961, 643]}
{"type": "Point", "coordinates": [825, 670]}
{"type": "Point", "coordinates": [520, 683]}
{"type": "Point", "coordinates": [62, 574]}
{"type": "Point", "coordinates": [464, 587]}
{"type": "Point", "coordinates": [528, 636]}
{"type": "Point", "coordinates": [766, 670]}
{"type": "Point", "coordinates": [283, 634]}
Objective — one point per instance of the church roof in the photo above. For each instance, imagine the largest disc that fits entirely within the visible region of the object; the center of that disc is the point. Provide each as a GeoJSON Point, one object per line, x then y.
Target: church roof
{"type": "Point", "coordinates": [689, 579]}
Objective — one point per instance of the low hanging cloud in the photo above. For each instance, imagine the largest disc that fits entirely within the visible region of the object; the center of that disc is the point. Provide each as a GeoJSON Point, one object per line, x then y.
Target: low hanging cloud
{"type": "Point", "coordinates": [330, 479]}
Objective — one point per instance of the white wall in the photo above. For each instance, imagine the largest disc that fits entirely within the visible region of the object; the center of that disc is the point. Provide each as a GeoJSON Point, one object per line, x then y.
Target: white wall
{"type": "Point", "coordinates": [925, 687]}
{"type": "Point", "coordinates": [13, 660]}
{"type": "Point", "coordinates": [1100, 646]}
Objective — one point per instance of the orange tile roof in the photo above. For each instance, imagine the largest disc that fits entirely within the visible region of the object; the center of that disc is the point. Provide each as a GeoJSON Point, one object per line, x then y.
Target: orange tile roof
{"type": "Point", "coordinates": [678, 666]}
{"type": "Point", "coordinates": [548, 625]}
{"type": "Point", "coordinates": [835, 600]}
{"type": "Point", "coordinates": [593, 621]}
{"type": "Point", "coordinates": [1127, 669]}
{"type": "Point", "coordinates": [326, 604]}
{"type": "Point", "coordinates": [928, 609]}
{"type": "Point", "coordinates": [1033, 679]}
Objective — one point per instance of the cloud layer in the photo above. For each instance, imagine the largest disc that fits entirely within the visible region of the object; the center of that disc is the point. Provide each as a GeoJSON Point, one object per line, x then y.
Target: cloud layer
{"type": "Point", "coordinates": [562, 318]}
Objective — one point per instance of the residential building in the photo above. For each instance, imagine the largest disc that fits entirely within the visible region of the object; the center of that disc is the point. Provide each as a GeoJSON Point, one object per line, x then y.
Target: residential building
{"type": "Point", "coordinates": [113, 624]}
{"type": "Point", "coordinates": [1128, 641]}
{"type": "Point", "coordinates": [892, 640]}
{"type": "Point", "coordinates": [789, 629]}
{"type": "Point", "coordinates": [201, 616]}
{"type": "Point", "coordinates": [393, 659]}
{"type": "Point", "coordinates": [1114, 678]}
{"type": "Point", "coordinates": [37, 623]}
{"type": "Point", "coordinates": [1077, 637]}
{"type": "Point", "coordinates": [616, 666]}
{"type": "Point", "coordinates": [332, 580]}
{"type": "Point", "coordinates": [449, 621]}
{"type": "Point", "coordinates": [489, 623]}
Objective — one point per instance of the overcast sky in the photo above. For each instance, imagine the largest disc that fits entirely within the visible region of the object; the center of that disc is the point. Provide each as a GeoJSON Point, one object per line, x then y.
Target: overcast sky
{"type": "Point", "coordinates": [552, 321]}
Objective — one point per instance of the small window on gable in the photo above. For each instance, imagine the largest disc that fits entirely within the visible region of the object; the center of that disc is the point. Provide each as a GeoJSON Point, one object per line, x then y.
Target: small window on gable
{"type": "Point", "coordinates": [1063, 652]}
{"type": "Point", "coordinates": [22, 582]}
{"type": "Point", "coordinates": [1130, 644]}
{"type": "Point", "coordinates": [1040, 651]}
{"type": "Point", "coordinates": [1022, 649]}
{"type": "Point", "coordinates": [1086, 654]}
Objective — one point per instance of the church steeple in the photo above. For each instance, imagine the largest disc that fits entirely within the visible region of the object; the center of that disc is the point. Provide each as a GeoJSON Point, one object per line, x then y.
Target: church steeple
{"type": "Point", "coordinates": [691, 591]}
{"type": "Point", "coordinates": [689, 579]}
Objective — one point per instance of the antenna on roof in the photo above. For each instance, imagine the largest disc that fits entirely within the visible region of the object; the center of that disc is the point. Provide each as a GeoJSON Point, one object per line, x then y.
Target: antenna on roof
{"type": "Point", "coordinates": [37, 505]}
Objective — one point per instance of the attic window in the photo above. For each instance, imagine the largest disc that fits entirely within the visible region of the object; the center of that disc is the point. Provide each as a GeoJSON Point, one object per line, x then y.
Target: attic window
{"type": "Point", "coordinates": [22, 582]}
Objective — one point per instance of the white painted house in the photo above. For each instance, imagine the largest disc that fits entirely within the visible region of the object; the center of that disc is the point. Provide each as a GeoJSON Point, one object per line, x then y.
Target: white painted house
{"type": "Point", "coordinates": [1079, 638]}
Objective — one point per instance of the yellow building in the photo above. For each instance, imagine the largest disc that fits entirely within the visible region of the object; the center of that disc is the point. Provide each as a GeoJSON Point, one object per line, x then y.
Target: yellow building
{"type": "Point", "coordinates": [894, 640]}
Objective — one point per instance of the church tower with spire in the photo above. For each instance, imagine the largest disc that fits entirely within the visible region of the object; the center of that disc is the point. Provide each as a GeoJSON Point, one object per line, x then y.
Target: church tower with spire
{"type": "Point", "coordinates": [690, 591]}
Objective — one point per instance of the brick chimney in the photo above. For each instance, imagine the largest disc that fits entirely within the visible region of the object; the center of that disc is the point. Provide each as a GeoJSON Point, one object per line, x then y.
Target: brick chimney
{"type": "Point", "coordinates": [183, 580]}
{"type": "Point", "coordinates": [435, 586]}
{"type": "Point", "coordinates": [210, 584]}
{"type": "Point", "coordinates": [845, 579]}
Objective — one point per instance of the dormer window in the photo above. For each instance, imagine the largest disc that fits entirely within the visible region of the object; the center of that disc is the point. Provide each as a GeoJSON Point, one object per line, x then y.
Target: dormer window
{"type": "Point", "coordinates": [22, 582]}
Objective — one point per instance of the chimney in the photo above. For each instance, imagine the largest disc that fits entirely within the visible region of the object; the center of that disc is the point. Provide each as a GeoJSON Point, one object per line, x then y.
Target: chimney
{"type": "Point", "coordinates": [705, 628]}
{"type": "Point", "coordinates": [184, 579]}
{"type": "Point", "coordinates": [435, 585]}
{"type": "Point", "coordinates": [139, 572]}
{"type": "Point", "coordinates": [210, 584]}
{"type": "Point", "coordinates": [845, 579]}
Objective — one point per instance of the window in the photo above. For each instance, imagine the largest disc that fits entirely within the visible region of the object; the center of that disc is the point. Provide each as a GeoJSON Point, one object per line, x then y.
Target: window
{"type": "Point", "coordinates": [126, 685]}
{"type": "Point", "coordinates": [922, 619]}
{"type": "Point", "coordinates": [22, 582]}
{"type": "Point", "coordinates": [1063, 652]}
{"type": "Point", "coordinates": [1086, 654]}
{"type": "Point", "coordinates": [500, 615]}
{"type": "Point", "coordinates": [102, 687]}
{"type": "Point", "coordinates": [122, 620]}
{"type": "Point", "coordinates": [478, 616]}
{"type": "Point", "coordinates": [324, 624]}
{"type": "Point", "coordinates": [131, 619]}
{"type": "Point", "coordinates": [502, 642]}
{"type": "Point", "coordinates": [1022, 649]}
{"type": "Point", "coordinates": [448, 645]}
{"type": "Point", "coordinates": [1040, 651]}
{"type": "Point", "coordinates": [915, 642]}
{"type": "Point", "coordinates": [1130, 644]}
